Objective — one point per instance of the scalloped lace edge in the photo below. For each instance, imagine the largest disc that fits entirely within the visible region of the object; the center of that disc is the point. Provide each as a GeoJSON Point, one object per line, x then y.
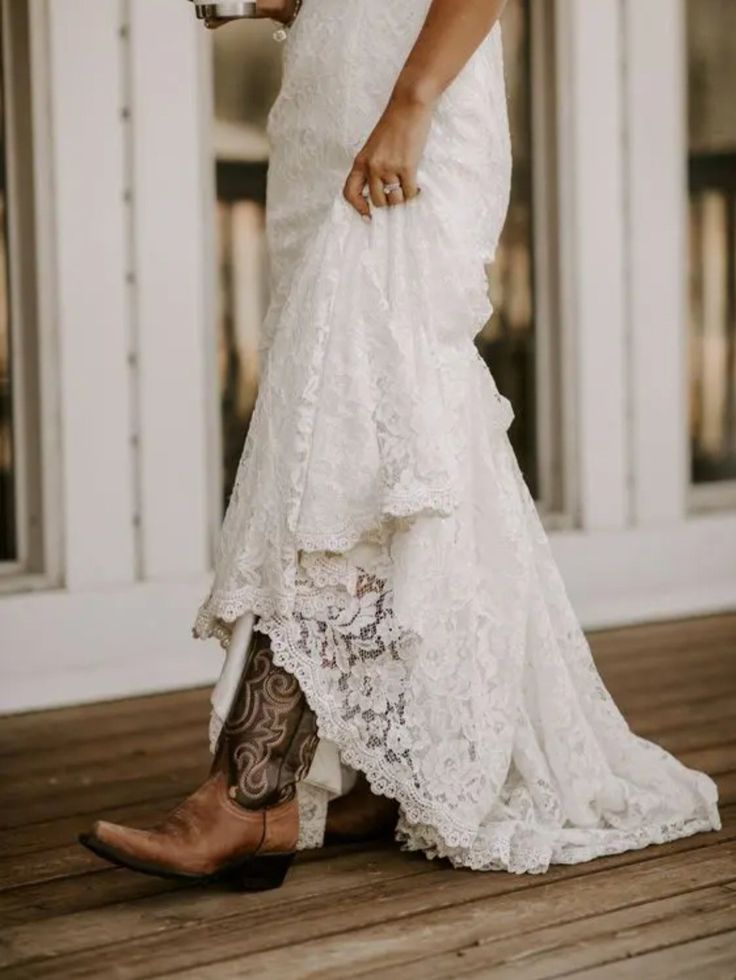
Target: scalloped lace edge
{"type": "Point", "coordinates": [423, 827]}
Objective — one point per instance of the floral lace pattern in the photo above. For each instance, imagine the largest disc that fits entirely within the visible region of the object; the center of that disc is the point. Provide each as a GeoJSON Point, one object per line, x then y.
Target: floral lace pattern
{"type": "Point", "coordinates": [312, 802]}
{"type": "Point", "coordinates": [379, 524]}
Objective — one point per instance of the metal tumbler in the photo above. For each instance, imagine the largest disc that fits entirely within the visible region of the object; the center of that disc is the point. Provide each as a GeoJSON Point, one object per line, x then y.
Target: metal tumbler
{"type": "Point", "coordinates": [225, 8]}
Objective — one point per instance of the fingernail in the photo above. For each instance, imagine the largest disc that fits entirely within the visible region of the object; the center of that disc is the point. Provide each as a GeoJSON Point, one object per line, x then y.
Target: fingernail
{"type": "Point", "coordinates": [366, 218]}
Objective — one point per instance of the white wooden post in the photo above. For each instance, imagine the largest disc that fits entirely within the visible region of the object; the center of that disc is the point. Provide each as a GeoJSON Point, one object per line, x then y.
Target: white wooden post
{"type": "Point", "coordinates": [90, 246]}
{"type": "Point", "coordinates": [592, 241]}
{"type": "Point", "coordinates": [170, 164]}
{"type": "Point", "coordinates": [657, 194]}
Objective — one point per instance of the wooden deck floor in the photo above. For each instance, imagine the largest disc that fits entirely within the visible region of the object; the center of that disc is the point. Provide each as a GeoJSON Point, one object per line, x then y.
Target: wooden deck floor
{"type": "Point", "coordinates": [667, 912]}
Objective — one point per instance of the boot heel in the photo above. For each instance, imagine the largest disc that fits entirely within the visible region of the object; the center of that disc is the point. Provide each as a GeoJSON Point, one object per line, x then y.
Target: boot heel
{"type": "Point", "coordinates": [262, 872]}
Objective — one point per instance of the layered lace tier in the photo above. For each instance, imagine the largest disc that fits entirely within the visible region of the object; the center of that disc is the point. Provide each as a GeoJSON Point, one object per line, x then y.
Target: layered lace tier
{"type": "Point", "coordinates": [379, 524]}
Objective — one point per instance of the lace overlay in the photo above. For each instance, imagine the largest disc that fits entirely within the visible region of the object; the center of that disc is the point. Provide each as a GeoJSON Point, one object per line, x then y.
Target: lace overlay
{"type": "Point", "coordinates": [379, 524]}
{"type": "Point", "coordinates": [313, 802]}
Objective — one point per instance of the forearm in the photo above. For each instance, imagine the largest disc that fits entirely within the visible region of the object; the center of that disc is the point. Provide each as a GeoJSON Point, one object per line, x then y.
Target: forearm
{"type": "Point", "coordinates": [387, 165]}
{"type": "Point", "coordinates": [451, 33]}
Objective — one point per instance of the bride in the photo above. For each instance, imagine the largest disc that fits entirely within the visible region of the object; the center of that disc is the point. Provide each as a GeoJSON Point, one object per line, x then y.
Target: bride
{"type": "Point", "coordinates": [402, 656]}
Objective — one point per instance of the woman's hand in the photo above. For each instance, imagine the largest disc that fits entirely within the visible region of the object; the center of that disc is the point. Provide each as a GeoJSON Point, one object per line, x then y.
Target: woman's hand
{"type": "Point", "coordinates": [281, 10]}
{"type": "Point", "coordinates": [450, 34]}
{"type": "Point", "coordinates": [386, 167]}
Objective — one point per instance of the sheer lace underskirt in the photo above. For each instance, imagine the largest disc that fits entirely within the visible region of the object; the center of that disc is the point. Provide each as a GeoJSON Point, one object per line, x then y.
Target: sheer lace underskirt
{"type": "Point", "coordinates": [514, 761]}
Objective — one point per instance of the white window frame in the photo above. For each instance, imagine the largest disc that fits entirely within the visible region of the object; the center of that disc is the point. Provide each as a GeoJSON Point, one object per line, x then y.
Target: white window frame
{"type": "Point", "coordinates": [636, 552]}
{"type": "Point", "coordinates": [591, 245]}
{"type": "Point", "coordinates": [556, 462]}
{"type": "Point", "coordinates": [33, 383]}
{"type": "Point", "coordinates": [717, 495]}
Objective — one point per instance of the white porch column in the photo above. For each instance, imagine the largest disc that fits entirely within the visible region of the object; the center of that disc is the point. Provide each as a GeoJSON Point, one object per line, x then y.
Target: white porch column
{"type": "Point", "coordinates": [97, 469]}
{"type": "Point", "coordinates": [657, 193]}
{"type": "Point", "coordinates": [173, 190]}
{"type": "Point", "coordinates": [592, 240]}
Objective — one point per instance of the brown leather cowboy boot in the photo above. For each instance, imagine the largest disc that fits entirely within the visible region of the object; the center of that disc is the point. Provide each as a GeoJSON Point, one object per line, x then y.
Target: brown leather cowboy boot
{"type": "Point", "coordinates": [360, 815]}
{"type": "Point", "coordinates": [243, 822]}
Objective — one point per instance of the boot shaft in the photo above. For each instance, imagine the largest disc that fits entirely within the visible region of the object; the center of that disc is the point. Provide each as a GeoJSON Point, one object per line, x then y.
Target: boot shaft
{"type": "Point", "coordinates": [269, 738]}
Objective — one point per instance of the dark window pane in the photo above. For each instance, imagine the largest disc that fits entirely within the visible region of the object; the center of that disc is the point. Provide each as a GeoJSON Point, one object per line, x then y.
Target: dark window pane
{"type": "Point", "coordinates": [711, 34]}
{"type": "Point", "coordinates": [8, 545]}
{"type": "Point", "coordinates": [247, 73]}
{"type": "Point", "coordinates": [507, 341]}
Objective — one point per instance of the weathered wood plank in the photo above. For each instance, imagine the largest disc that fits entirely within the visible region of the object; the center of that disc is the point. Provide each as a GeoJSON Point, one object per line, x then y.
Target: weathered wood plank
{"type": "Point", "coordinates": [703, 736]}
{"type": "Point", "coordinates": [194, 938]}
{"type": "Point", "coordinates": [664, 670]}
{"type": "Point", "coordinates": [669, 637]}
{"type": "Point", "coordinates": [16, 842]}
{"type": "Point", "coordinates": [94, 799]}
{"type": "Point", "coordinates": [373, 931]}
{"type": "Point", "coordinates": [717, 760]}
{"type": "Point", "coordinates": [338, 871]}
{"type": "Point", "coordinates": [47, 863]}
{"type": "Point", "coordinates": [62, 760]}
{"type": "Point", "coordinates": [700, 681]}
{"type": "Point", "coordinates": [627, 662]}
{"type": "Point", "coordinates": [96, 752]}
{"type": "Point", "coordinates": [75, 723]}
{"type": "Point", "coordinates": [192, 719]}
{"type": "Point", "coordinates": [711, 958]}
{"type": "Point", "coordinates": [105, 885]}
{"type": "Point", "coordinates": [671, 716]}
{"type": "Point", "coordinates": [675, 683]}
{"type": "Point", "coordinates": [578, 945]}
{"type": "Point", "coordinates": [83, 887]}
{"type": "Point", "coordinates": [670, 655]}
{"type": "Point", "coordinates": [69, 858]}
{"type": "Point", "coordinates": [43, 798]}
{"type": "Point", "coordinates": [30, 837]}
{"type": "Point", "coordinates": [726, 783]}
{"type": "Point", "coordinates": [70, 785]}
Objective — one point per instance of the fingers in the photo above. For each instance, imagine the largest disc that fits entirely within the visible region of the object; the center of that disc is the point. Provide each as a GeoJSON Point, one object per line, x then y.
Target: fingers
{"type": "Point", "coordinates": [353, 193]}
{"type": "Point", "coordinates": [393, 190]}
{"type": "Point", "coordinates": [409, 185]}
{"type": "Point", "coordinates": [378, 187]}
{"type": "Point", "coordinates": [378, 196]}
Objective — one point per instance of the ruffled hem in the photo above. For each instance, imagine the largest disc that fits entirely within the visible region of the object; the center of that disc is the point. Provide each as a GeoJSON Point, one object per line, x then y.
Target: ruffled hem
{"type": "Point", "coordinates": [519, 848]}
{"type": "Point", "coordinates": [356, 429]}
{"type": "Point", "coordinates": [224, 606]}
{"type": "Point", "coordinates": [514, 846]}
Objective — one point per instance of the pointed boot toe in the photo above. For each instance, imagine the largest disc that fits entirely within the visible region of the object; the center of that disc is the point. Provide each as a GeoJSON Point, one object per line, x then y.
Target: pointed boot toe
{"type": "Point", "coordinates": [207, 838]}
{"type": "Point", "coordinates": [126, 847]}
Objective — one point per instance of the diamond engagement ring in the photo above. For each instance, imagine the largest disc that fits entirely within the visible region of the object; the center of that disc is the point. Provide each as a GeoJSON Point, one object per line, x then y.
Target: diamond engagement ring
{"type": "Point", "coordinates": [390, 188]}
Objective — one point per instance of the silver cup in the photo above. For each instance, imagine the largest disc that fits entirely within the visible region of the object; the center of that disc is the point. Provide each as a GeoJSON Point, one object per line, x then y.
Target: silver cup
{"type": "Point", "coordinates": [225, 8]}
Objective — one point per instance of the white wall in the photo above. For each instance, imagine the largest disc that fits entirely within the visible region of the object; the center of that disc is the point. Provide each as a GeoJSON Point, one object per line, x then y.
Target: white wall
{"type": "Point", "coordinates": [640, 551]}
{"type": "Point", "coordinates": [121, 97]}
{"type": "Point", "coordinates": [127, 288]}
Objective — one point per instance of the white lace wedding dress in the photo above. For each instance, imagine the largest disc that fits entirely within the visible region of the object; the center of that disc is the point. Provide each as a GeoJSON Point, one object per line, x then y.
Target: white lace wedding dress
{"type": "Point", "coordinates": [379, 524]}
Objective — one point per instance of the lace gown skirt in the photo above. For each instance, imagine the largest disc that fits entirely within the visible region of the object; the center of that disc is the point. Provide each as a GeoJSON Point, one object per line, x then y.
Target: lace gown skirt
{"type": "Point", "coordinates": [379, 525]}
